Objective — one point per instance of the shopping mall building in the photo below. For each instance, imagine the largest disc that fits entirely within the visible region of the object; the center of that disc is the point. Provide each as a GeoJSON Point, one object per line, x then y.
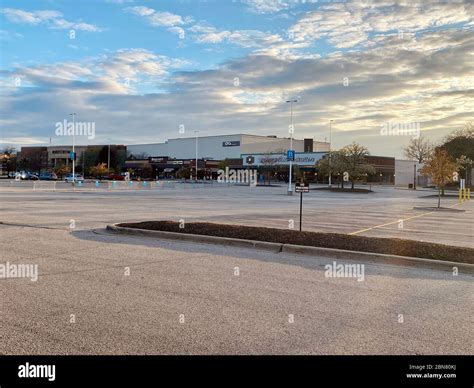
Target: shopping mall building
{"type": "Point", "coordinates": [167, 158]}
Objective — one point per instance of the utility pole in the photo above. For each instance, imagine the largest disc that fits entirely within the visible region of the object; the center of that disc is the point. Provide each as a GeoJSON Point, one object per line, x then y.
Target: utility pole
{"type": "Point", "coordinates": [414, 176]}
{"type": "Point", "coordinates": [292, 129]}
{"type": "Point", "coordinates": [73, 148]}
{"type": "Point", "coordinates": [330, 138]}
{"type": "Point", "coordinates": [196, 132]}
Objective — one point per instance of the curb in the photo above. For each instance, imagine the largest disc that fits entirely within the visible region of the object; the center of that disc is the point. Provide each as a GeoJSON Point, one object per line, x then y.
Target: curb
{"type": "Point", "coordinates": [376, 258]}
{"type": "Point", "coordinates": [268, 246]}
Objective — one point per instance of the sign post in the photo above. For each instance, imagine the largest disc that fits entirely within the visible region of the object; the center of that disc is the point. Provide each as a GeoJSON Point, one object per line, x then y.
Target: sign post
{"type": "Point", "coordinates": [290, 155]}
{"type": "Point", "coordinates": [250, 159]}
{"type": "Point", "coordinates": [301, 188]}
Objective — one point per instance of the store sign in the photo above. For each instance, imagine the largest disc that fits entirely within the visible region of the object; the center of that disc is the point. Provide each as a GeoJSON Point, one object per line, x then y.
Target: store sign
{"type": "Point", "coordinates": [235, 143]}
{"type": "Point", "coordinates": [300, 159]}
{"type": "Point", "coordinates": [158, 160]}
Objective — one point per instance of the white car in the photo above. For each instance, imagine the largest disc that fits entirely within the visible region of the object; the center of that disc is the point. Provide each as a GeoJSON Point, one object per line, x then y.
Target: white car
{"type": "Point", "coordinates": [78, 178]}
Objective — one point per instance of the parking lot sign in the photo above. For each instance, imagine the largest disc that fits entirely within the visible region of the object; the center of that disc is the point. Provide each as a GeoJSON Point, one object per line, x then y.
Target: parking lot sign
{"type": "Point", "coordinates": [290, 155]}
{"type": "Point", "coordinates": [301, 188]}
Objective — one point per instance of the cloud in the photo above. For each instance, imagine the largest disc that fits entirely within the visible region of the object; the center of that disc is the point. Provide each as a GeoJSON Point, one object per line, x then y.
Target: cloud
{"type": "Point", "coordinates": [155, 18]}
{"type": "Point", "coordinates": [205, 33]}
{"type": "Point", "coordinates": [120, 72]}
{"type": "Point", "coordinates": [424, 76]}
{"type": "Point", "coordinates": [346, 25]}
{"type": "Point", "coordinates": [52, 19]}
{"type": "Point", "coordinates": [267, 6]}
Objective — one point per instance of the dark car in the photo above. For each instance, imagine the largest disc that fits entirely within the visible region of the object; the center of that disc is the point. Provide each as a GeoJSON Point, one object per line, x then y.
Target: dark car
{"type": "Point", "coordinates": [48, 176]}
{"type": "Point", "coordinates": [115, 177]}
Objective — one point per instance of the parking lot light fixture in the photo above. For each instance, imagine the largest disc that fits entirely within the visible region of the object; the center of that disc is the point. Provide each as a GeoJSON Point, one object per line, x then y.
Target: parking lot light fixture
{"type": "Point", "coordinates": [290, 189]}
{"type": "Point", "coordinates": [73, 147]}
{"type": "Point", "coordinates": [330, 137]}
{"type": "Point", "coordinates": [196, 132]}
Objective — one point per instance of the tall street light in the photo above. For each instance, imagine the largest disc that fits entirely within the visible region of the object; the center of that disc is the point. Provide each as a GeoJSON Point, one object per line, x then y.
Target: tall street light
{"type": "Point", "coordinates": [290, 189]}
{"type": "Point", "coordinates": [196, 132]}
{"type": "Point", "coordinates": [108, 159]}
{"type": "Point", "coordinates": [73, 147]}
{"type": "Point", "coordinates": [330, 134]}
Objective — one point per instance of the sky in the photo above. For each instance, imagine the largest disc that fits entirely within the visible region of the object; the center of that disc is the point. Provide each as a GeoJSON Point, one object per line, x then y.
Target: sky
{"type": "Point", "coordinates": [141, 71]}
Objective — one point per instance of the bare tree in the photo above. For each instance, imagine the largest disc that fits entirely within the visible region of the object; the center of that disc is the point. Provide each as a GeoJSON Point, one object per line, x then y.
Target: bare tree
{"type": "Point", "coordinates": [418, 149]}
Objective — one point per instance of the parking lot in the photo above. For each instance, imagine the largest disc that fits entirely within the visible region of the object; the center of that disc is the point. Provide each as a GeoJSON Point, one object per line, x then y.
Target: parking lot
{"type": "Point", "coordinates": [99, 293]}
{"type": "Point", "coordinates": [388, 212]}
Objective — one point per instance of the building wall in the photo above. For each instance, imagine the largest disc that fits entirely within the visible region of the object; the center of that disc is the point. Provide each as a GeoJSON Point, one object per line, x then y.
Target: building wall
{"type": "Point", "coordinates": [384, 169]}
{"type": "Point", "coordinates": [53, 156]}
{"type": "Point", "coordinates": [37, 156]}
{"type": "Point", "coordinates": [404, 173]}
{"type": "Point", "coordinates": [209, 147]}
{"type": "Point", "coordinates": [221, 147]}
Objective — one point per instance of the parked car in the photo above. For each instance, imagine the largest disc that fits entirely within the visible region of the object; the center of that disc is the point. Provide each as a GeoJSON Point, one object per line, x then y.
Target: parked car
{"type": "Point", "coordinates": [115, 177]}
{"type": "Point", "coordinates": [48, 176]}
{"type": "Point", "coordinates": [77, 178]}
{"type": "Point", "coordinates": [26, 176]}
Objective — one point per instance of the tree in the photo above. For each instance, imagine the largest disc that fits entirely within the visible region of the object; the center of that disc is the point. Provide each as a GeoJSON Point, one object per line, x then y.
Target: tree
{"type": "Point", "coordinates": [62, 170]}
{"type": "Point", "coordinates": [8, 159]}
{"type": "Point", "coordinates": [355, 162]}
{"type": "Point", "coordinates": [99, 171]}
{"type": "Point", "coordinates": [184, 173]}
{"type": "Point", "coordinates": [465, 167]}
{"type": "Point", "coordinates": [348, 161]}
{"type": "Point", "coordinates": [459, 145]}
{"type": "Point", "coordinates": [418, 149]}
{"type": "Point", "coordinates": [440, 168]}
{"type": "Point", "coordinates": [336, 166]}
{"type": "Point", "coordinates": [89, 158]}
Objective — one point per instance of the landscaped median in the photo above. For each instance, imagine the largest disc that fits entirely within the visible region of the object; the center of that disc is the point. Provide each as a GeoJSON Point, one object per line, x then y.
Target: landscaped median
{"type": "Point", "coordinates": [325, 244]}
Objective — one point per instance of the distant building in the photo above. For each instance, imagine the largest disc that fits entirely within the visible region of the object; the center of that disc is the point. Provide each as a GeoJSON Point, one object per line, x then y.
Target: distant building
{"type": "Point", "coordinates": [407, 172]}
{"type": "Point", "coordinates": [47, 158]}
{"type": "Point", "coordinates": [384, 169]}
{"type": "Point", "coordinates": [222, 147]}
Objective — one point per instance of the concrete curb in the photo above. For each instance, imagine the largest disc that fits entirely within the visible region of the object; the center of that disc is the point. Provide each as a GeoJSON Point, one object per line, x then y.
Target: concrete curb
{"type": "Point", "coordinates": [340, 254]}
{"type": "Point", "coordinates": [235, 242]}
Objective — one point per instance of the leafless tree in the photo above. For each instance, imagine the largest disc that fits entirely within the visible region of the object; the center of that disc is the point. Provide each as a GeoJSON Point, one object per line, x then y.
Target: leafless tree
{"type": "Point", "coordinates": [418, 149]}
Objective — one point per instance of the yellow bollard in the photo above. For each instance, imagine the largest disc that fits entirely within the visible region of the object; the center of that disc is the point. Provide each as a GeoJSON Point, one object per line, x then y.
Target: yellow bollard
{"type": "Point", "coordinates": [460, 196]}
{"type": "Point", "coordinates": [465, 194]}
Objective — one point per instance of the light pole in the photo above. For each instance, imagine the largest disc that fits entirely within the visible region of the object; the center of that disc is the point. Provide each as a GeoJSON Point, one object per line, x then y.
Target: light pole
{"type": "Point", "coordinates": [73, 148]}
{"type": "Point", "coordinates": [196, 132]}
{"type": "Point", "coordinates": [290, 189]}
{"type": "Point", "coordinates": [330, 136]}
{"type": "Point", "coordinates": [414, 176]}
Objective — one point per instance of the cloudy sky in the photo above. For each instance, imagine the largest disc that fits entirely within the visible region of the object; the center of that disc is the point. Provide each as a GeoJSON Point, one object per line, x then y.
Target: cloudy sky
{"type": "Point", "coordinates": [141, 70]}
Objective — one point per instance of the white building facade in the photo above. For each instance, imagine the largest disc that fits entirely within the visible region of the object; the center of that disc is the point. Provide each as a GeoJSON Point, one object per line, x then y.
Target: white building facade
{"type": "Point", "coordinates": [406, 171]}
{"type": "Point", "coordinates": [224, 146]}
